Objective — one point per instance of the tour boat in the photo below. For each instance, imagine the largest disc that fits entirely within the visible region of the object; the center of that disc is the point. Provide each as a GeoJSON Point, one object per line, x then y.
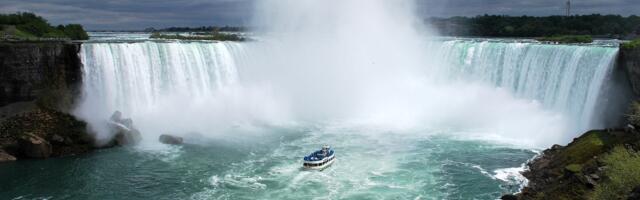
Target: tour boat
{"type": "Point", "coordinates": [320, 160]}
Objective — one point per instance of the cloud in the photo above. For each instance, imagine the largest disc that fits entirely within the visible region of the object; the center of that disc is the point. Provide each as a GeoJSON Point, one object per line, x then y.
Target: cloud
{"type": "Point", "coordinates": [139, 14]}
{"type": "Point", "coordinates": [525, 7]}
{"type": "Point", "coordinates": [135, 15]}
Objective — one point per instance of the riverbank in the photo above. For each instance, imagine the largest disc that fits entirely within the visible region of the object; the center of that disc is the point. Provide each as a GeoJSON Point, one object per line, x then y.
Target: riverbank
{"type": "Point", "coordinates": [40, 83]}
{"type": "Point", "coordinates": [600, 164]}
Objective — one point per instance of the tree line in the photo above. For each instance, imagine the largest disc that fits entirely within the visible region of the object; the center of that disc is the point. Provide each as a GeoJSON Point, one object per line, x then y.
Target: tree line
{"type": "Point", "coordinates": [612, 26]}
{"type": "Point", "coordinates": [199, 29]}
{"type": "Point", "coordinates": [28, 25]}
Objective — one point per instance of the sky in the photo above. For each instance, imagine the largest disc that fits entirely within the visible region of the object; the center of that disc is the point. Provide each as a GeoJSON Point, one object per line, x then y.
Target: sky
{"type": "Point", "coordinates": [140, 14]}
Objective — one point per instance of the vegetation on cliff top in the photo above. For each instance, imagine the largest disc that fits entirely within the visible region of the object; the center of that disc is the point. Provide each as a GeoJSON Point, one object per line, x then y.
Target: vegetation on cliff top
{"type": "Point", "coordinates": [568, 39]}
{"type": "Point", "coordinates": [634, 44]}
{"type": "Point", "coordinates": [28, 26]}
{"type": "Point", "coordinates": [217, 36]}
{"type": "Point", "coordinates": [614, 26]}
{"type": "Point", "coordinates": [200, 29]}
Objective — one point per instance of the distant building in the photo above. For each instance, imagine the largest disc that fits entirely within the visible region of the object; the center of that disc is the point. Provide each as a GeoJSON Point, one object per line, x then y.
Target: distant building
{"type": "Point", "coordinates": [568, 7]}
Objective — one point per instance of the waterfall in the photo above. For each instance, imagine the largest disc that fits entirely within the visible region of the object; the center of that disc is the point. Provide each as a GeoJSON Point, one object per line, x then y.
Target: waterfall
{"type": "Point", "coordinates": [563, 78]}
{"type": "Point", "coordinates": [194, 86]}
{"type": "Point", "coordinates": [143, 77]}
{"type": "Point", "coordinates": [130, 76]}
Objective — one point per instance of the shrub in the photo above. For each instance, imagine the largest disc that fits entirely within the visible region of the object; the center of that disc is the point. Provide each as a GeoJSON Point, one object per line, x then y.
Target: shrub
{"type": "Point", "coordinates": [568, 39]}
{"type": "Point", "coordinates": [634, 44]}
{"type": "Point", "coordinates": [36, 26]}
{"type": "Point", "coordinates": [621, 174]}
{"type": "Point", "coordinates": [212, 36]}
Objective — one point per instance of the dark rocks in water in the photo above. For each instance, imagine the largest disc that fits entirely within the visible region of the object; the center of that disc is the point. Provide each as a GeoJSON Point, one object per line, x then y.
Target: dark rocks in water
{"type": "Point", "coordinates": [32, 146]}
{"type": "Point", "coordinates": [577, 170]}
{"type": "Point", "coordinates": [509, 197]}
{"type": "Point", "coordinates": [6, 157]}
{"type": "Point", "coordinates": [124, 131]}
{"type": "Point", "coordinates": [128, 137]}
{"type": "Point", "coordinates": [170, 139]}
{"type": "Point", "coordinates": [39, 82]}
{"type": "Point", "coordinates": [44, 133]}
{"type": "Point", "coordinates": [635, 194]}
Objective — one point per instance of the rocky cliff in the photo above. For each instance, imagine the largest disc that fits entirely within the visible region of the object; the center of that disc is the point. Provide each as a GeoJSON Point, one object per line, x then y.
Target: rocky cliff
{"type": "Point", "coordinates": [600, 164]}
{"type": "Point", "coordinates": [629, 59]}
{"type": "Point", "coordinates": [47, 73]}
{"type": "Point", "coordinates": [38, 85]}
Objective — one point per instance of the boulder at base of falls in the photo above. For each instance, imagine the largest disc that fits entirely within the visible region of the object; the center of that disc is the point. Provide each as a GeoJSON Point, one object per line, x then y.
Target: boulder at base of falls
{"type": "Point", "coordinates": [509, 197]}
{"type": "Point", "coordinates": [6, 157]}
{"type": "Point", "coordinates": [124, 131]}
{"type": "Point", "coordinates": [32, 146]}
{"type": "Point", "coordinates": [170, 139]}
{"type": "Point", "coordinates": [44, 133]}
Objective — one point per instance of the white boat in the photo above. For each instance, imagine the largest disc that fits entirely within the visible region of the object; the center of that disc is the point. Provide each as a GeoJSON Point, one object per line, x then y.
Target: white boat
{"type": "Point", "coordinates": [320, 160]}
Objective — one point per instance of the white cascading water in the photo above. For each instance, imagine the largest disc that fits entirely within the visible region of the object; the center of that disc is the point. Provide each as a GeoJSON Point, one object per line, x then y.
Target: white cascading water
{"type": "Point", "coordinates": [564, 78]}
{"type": "Point", "coordinates": [186, 86]}
{"type": "Point", "coordinates": [319, 61]}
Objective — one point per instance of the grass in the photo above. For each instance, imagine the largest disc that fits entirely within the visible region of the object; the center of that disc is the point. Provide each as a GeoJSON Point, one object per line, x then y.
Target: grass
{"type": "Point", "coordinates": [622, 174]}
{"type": "Point", "coordinates": [585, 147]}
{"type": "Point", "coordinates": [574, 168]}
{"type": "Point", "coordinates": [634, 44]}
{"type": "Point", "coordinates": [568, 39]}
{"type": "Point", "coordinates": [12, 31]}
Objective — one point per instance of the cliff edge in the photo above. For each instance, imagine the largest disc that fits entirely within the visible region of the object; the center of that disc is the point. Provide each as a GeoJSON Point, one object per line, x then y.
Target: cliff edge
{"type": "Point", "coordinates": [600, 164]}
{"type": "Point", "coordinates": [39, 82]}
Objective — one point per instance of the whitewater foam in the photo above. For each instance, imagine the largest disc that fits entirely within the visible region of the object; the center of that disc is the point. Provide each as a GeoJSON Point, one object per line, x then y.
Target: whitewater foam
{"type": "Point", "coordinates": [308, 67]}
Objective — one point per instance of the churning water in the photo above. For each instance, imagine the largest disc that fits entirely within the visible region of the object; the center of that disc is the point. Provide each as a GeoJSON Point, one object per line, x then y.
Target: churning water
{"type": "Point", "coordinates": [410, 116]}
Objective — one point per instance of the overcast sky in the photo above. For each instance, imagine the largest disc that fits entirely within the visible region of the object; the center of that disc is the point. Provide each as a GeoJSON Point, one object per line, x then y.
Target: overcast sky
{"type": "Point", "coordinates": [139, 14]}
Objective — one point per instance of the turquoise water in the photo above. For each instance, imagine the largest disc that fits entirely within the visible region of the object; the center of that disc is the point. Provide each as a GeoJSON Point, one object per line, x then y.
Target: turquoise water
{"type": "Point", "coordinates": [177, 87]}
{"type": "Point", "coordinates": [266, 165]}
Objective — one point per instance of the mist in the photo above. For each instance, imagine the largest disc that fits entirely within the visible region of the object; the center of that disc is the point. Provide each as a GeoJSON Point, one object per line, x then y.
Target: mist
{"type": "Point", "coordinates": [352, 63]}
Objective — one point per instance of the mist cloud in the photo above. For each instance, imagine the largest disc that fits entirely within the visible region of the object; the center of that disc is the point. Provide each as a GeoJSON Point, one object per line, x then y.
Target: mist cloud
{"type": "Point", "coordinates": [139, 14]}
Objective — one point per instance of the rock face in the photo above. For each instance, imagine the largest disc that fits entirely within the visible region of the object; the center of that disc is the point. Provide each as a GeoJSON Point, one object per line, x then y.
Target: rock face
{"type": "Point", "coordinates": [629, 59]}
{"type": "Point", "coordinates": [44, 133]}
{"type": "Point", "coordinates": [576, 170]}
{"type": "Point", "coordinates": [47, 72]}
{"type": "Point", "coordinates": [32, 146]}
{"type": "Point", "coordinates": [509, 197]}
{"type": "Point", "coordinates": [170, 139]}
{"type": "Point", "coordinates": [6, 157]}
{"type": "Point", "coordinates": [635, 194]}
{"type": "Point", "coordinates": [39, 82]}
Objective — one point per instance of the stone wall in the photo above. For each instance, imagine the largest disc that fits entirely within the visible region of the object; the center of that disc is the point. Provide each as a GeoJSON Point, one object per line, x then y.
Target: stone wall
{"type": "Point", "coordinates": [629, 59]}
{"type": "Point", "coordinates": [46, 74]}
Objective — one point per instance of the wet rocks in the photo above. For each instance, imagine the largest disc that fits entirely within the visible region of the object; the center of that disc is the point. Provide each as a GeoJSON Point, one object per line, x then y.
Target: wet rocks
{"type": "Point", "coordinates": [509, 197]}
{"type": "Point", "coordinates": [170, 139]}
{"type": "Point", "coordinates": [44, 133]}
{"type": "Point", "coordinates": [578, 170]}
{"type": "Point", "coordinates": [33, 146]}
{"type": "Point", "coordinates": [635, 194]}
{"type": "Point", "coordinates": [124, 131]}
{"type": "Point", "coordinates": [6, 157]}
